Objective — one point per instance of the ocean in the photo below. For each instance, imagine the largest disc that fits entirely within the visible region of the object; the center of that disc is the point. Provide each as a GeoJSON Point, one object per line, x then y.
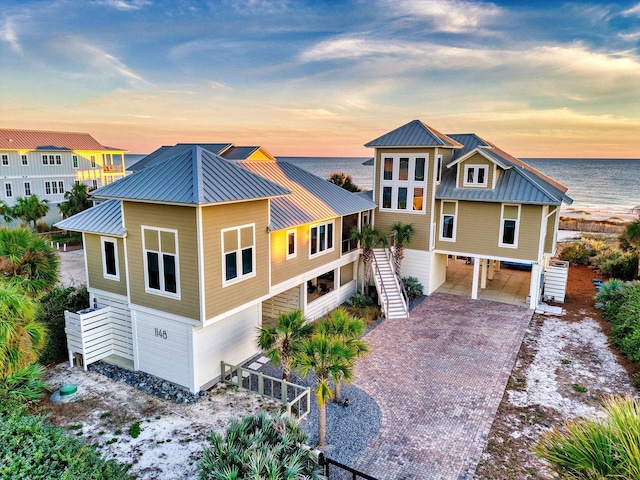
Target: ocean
{"type": "Point", "coordinates": [595, 184]}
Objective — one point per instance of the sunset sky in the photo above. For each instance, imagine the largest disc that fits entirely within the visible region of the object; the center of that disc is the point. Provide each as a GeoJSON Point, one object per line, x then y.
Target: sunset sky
{"type": "Point", "coordinates": [539, 78]}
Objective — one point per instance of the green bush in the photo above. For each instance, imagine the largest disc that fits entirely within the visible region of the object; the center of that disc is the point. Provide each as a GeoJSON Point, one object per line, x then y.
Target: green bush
{"type": "Point", "coordinates": [413, 287]}
{"type": "Point", "coordinates": [616, 264]}
{"type": "Point", "coordinates": [625, 331]}
{"type": "Point", "coordinates": [359, 300]}
{"type": "Point", "coordinates": [23, 386]}
{"type": "Point", "coordinates": [597, 449]}
{"type": "Point", "coordinates": [260, 446]}
{"type": "Point", "coordinates": [581, 251]}
{"type": "Point", "coordinates": [31, 448]}
{"type": "Point", "coordinates": [610, 297]}
{"type": "Point", "coordinates": [53, 306]}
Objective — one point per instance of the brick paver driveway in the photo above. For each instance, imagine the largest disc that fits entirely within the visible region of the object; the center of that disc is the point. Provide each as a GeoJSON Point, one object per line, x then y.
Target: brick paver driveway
{"type": "Point", "coordinates": [438, 378]}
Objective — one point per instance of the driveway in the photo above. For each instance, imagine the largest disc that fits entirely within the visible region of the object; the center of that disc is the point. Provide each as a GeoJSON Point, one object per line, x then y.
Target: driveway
{"type": "Point", "coordinates": [438, 379]}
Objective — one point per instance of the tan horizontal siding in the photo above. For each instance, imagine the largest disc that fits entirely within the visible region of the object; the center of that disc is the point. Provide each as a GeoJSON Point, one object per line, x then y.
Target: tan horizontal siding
{"type": "Point", "coordinates": [93, 246]}
{"type": "Point", "coordinates": [478, 159]}
{"type": "Point", "coordinates": [214, 219]}
{"type": "Point", "coordinates": [182, 219]}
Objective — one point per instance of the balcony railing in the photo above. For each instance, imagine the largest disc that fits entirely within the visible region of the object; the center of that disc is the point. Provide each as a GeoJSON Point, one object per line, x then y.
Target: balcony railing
{"type": "Point", "coordinates": [112, 168]}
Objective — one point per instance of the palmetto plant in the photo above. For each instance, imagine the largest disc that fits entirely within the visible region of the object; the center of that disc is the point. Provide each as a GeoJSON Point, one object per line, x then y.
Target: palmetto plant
{"type": "Point", "coordinates": [632, 235]}
{"type": "Point", "coordinates": [326, 357]}
{"type": "Point", "coordinates": [404, 235]}
{"type": "Point", "coordinates": [369, 238]}
{"type": "Point", "coordinates": [280, 342]}
{"type": "Point", "coordinates": [344, 327]}
{"type": "Point", "coordinates": [27, 260]}
{"type": "Point", "coordinates": [259, 447]}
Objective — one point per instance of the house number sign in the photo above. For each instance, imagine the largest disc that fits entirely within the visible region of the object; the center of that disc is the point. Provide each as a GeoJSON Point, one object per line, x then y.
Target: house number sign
{"type": "Point", "coordinates": [161, 333]}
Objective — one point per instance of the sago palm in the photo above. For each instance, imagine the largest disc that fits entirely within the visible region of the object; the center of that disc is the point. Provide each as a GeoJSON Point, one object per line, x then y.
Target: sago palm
{"type": "Point", "coordinates": [404, 235]}
{"type": "Point", "coordinates": [27, 260]}
{"type": "Point", "coordinates": [280, 342]}
{"type": "Point", "coordinates": [348, 329]}
{"type": "Point", "coordinates": [326, 357]}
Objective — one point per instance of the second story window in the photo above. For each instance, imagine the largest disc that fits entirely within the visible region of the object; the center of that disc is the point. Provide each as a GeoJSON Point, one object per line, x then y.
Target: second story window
{"type": "Point", "coordinates": [403, 183]}
{"type": "Point", "coordinates": [75, 161]}
{"type": "Point", "coordinates": [58, 160]}
{"type": "Point", "coordinates": [94, 184]}
{"type": "Point", "coordinates": [25, 160]}
{"type": "Point", "coordinates": [110, 258]}
{"type": "Point", "coordinates": [448, 214]}
{"type": "Point", "coordinates": [5, 160]}
{"type": "Point", "coordinates": [161, 262]}
{"type": "Point", "coordinates": [238, 253]}
{"type": "Point", "coordinates": [475, 176]}
{"type": "Point", "coordinates": [8, 190]}
{"type": "Point", "coordinates": [291, 244]}
{"type": "Point", "coordinates": [27, 189]}
{"type": "Point", "coordinates": [509, 226]}
{"type": "Point", "coordinates": [93, 161]}
{"type": "Point", "coordinates": [321, 238]}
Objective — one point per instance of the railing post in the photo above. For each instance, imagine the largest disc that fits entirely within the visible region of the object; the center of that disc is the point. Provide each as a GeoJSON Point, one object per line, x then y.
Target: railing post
{"type": "Point", "coordinates": [283, 392]}
{"type": "Point", "coordinates": [260, 383]}
{"type": "Point", "coordinates": [239, 374]}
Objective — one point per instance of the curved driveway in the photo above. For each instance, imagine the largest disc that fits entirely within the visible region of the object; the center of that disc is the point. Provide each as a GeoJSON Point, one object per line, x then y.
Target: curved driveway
{"type": "Point", "coordinates": [438, 378]}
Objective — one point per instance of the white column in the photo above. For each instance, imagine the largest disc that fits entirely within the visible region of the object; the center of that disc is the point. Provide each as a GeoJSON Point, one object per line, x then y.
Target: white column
{"type": "Point", "coordinates": [483, 278]}
{"type": "Point", "coordinates": [491, 268]}
{"type": "Point", "coordinates": [476, 275]}
{"type": "Point", "coordinates": [534, 290]}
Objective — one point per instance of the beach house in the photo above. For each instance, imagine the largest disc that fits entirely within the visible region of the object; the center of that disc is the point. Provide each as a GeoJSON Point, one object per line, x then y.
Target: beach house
{"type": "Point", "coordinates": [187, 256]}
{"type": "Point", "coordinates": [466, 198]}
{"type": "Point", "coordinates": [48, 163]}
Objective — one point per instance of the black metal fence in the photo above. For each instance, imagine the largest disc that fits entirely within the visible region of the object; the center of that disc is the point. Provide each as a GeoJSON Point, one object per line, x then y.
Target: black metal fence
{"type": "Point", "coordinates": [340, 471]}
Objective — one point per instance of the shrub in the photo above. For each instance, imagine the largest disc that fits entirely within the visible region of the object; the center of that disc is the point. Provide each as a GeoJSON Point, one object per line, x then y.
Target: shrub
{"type": "Point", "coordinates": [42, 227]}
{"type": "Point", "coordinates": [413, 287]}
{"type": "Point", "coordinates": [30, 447]}
{"type": "Point", "coordinates": [359, 300]}
{"type": "Point", "coordinates": [25, 385]}
{"type": "Point", "coordinates": [625, 331]}
{"type": "Point", "coordinates": [609, 297]}
{"type": "Point", "coordinates": [53, 306]}
{"type": "Point", "coordinates": [581, 251]}
{"type": "Point", "coordinates": [616, 264]}
{"type": "Point", "coordinates": [260, 446]}
{"type": "Point", "coordinates": [597, 449]}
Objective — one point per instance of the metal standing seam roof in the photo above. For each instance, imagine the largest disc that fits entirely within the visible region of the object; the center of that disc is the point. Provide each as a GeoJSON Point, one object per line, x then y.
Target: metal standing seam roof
{"type": "Point", "coordinates": [194, 177]}
{"type": "Point", "coordinates": [312, 198]}
{"type": "Point", "coordinates": [414, 134]}
{"type": "Point", "coordinates": [239, 153]}
{"type": "Point", "coordinates": [104, 219]}
{"type": "Point", "coordinates": [167, 151]}
{"type": "Point", "coordinates": [13, 139]}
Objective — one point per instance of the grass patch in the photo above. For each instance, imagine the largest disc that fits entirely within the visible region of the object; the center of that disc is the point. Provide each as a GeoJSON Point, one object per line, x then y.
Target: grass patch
{"type": "Point", "coordinates": [134, 430]}
{"type": "Point", "coordinates": [579, 388]}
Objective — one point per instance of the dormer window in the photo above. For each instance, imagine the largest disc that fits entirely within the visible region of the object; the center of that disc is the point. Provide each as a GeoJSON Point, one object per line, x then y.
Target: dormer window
{"type": "Point", "coordinates": [403, 183]}
{"type": "Point", "coordinates": [475, 176]}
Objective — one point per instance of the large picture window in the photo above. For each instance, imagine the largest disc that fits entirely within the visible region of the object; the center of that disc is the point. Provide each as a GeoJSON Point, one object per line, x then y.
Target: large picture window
{"type": "Point", "coordinates": [509, 226]}
{"type": "Point", "coordinates": [238, 253]}
{"type": "Point", "coordinates": [110, 268]}
{"type": "Point", "coordinates": [448, 215]}
{"type": "Point", "coordinates": [403, 183]}
{"type": "Point", "coordinates": [160, 248]}
{"type": "Point", "coordinates": [321, 238]}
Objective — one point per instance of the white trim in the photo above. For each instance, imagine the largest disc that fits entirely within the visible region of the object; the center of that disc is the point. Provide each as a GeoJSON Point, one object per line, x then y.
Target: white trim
{"type": "Point", "coordinates": [96, 292]}
{"type": "Point", "coordinates": [126, 253]}
{"type": "Point", "coordinates": [476, 169]}
{"type": "Point", "coordinates": [333, 238]}
{"type": "Point", "coordinates": [438, 158]}
{"type": "Point", "coordinates": [114, 241]}
{"type": "Point", "coordinates": [24, 186]}
{"type": "Point", "coordinates": [410, 184]}
{"type": "Point", "coordinates": [5, 157]}
{"type": "Point", "coordinates": [240, 276]}
{"type": "Point", "coordinates": [517, 226]}
{"type": "Point", "coordinates": [489, 257]}
{"type": "Point", "coordinates": [201, 284]}
{"type": "Point", "coordinates": [22, 157]}
{"type": "Point", "coordinates": [86, 264]}
{"type": "Point", "coordinates": [10, 184]}
{"type": "Point", "coordinates": [441, 221]}
{"type": "Point", "coordinates": [166, 315]}
{"type": "Point", "coordinates": [295, 243]}
{"type": "Point", "coordinates": [161, 292]}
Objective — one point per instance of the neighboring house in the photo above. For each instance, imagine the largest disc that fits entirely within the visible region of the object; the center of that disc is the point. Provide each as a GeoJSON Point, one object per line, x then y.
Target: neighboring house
{"type": "Point", "coordinates": [465, 197]}
{"type": "Point", "coordinates": [189, 255]}
{"type": "Point", "coordinates": [48, 163]}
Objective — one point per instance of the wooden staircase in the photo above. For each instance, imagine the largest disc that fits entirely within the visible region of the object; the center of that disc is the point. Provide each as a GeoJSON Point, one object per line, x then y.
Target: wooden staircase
{"type": "Point", "coordinates": [393, 300]}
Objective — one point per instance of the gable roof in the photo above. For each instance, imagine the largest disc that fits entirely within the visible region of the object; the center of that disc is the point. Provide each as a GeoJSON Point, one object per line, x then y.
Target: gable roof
{"type": "Point", "coordinates": [104, 219]}
{"type": "Point", "coordinates": [312, 198]}
{"type": "Point", "coordinates": [414, 134]}
{"type": "Point", "coordinates": [243, 153]}
{"type": "Point", "coordinates": [13, 139]}
{"type": "Point", "coordinates": [167, 151]}
{"type": "Point", "coordinates": [519, 182]}
{"type": "Point", "coordinates": [193, 177]}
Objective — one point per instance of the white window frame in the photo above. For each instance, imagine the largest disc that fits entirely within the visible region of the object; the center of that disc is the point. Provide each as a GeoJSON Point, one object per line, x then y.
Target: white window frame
{"type": "Point", "coordinates": [94, 183]}
{"type": "Point", "coordinates": [27, 189]}
{"type": "Point", "coordinates": [162, 291]}
{"type": "Point", "coordinates": [105, 274]}
{"type": "Point", "coordinates": [74, 160]}
{"type": "Point", "coordinates": [61, 187]}
{"type": "Point", "coordinates": [516, 233]}
{"type": "Point", "coordinates": [93, 161]}
{"type": "Point", "coordinates": [24, 160]}
{"type": "Point", "coordinates": [58, 160]}
{"type": "Point", "coordinates": [47, 188]}
{"type": "Point", "coordinates": [476, 169]}
{"type": "Point", "coordinates": [437, 172]}
{"type": "Point", "coordinates": [326, 242]}
{"type": "Point", "coordinates": [410, 184]}
{"type": "Point", "coordinates": [54, 188]}
{"type": "Point", "coordinates": [295, 244]}
{"type": "Point", "coordinates": [240, 276]}
{"type": "Point", "coordinates": [5, 160]}
{"type": "Point", "coordinates": [45, 159]}
{"type": "Point", "coordinates": [455, 221]}
{"type": "Point", "coordinates": [8, 192]}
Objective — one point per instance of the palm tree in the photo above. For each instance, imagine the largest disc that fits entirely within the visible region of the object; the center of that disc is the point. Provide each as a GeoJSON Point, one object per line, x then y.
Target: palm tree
{"type": "Point", "coordinates": [280, 342]}
{"type": "Point", "coordinates": [326, 357]}
{"type": "Point", "coordinates": [404, 234]}
{"type": "Point", "coordinates": [349, 329]}
{"type": "Point", "coordinates": [30, 209]}
{"type": "Point", "coordinates": [28, 260]}
{"type": "Point", "coordinates": [5, 212]}
{"type": "Point", "coordinates": [632, 235]}
{"type": "Point", "coordinates": [77, 200]}
{"type": "Point", "coordinates": [368, 237]}
{"type": "Point", "coordinates": [344, 180]}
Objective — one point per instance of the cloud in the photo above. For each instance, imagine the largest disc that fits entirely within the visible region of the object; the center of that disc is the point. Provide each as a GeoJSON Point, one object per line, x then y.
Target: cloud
{"type": "Point", "coordinates": [126, 5]}
{"type": "Point", "coordinates": [633, 11]}
{"type": "Point", "coordinates": [8, 34]}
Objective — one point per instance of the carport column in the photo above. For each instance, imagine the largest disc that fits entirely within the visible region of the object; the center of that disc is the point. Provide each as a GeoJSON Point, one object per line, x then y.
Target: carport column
{"type": "Point", "coordinates": [491, 265]}
{"type": "Point", "coordinates": [483, 279]}
{"type": "Point", "coordinates": [534, 290]}
{"type": "Point", "coordinates": [476, 276]}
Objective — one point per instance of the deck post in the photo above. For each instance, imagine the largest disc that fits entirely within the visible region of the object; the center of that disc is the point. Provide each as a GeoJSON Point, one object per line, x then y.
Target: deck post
{"type": "Point", "coordinates": [483, 278]}
{"type": "Point", "coordinates": [476, 275]}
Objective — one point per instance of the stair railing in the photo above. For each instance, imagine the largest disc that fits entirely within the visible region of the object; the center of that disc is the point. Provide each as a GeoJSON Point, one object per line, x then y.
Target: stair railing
{"type": "Point", "coordinates": [378, 276]}
{"type": "Point", "coordinates": [391, 256]}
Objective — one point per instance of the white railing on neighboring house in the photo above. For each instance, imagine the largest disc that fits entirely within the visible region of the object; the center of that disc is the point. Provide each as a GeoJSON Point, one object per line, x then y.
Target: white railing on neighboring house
{"type": "Point", "coordinates": [97, 333]}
